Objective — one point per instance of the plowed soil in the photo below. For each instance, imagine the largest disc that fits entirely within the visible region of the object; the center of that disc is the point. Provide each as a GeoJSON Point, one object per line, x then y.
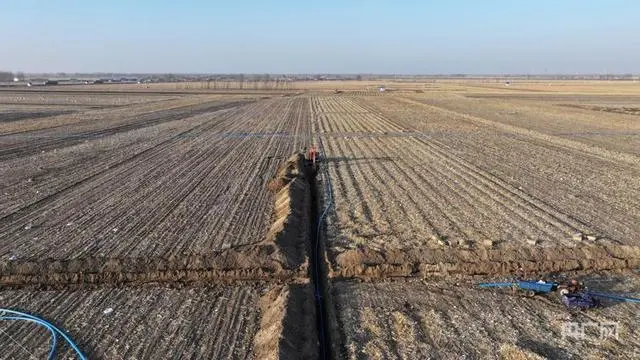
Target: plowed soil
{"type": "Point", "coordinates": [423, 190]}
{"type": "Point", "coordinates": [152, 193]}
{"type": "Point", "coordinates": [155, 224]}
{"type": "Point", "coordinates": [445, 320]}
{"type": "Point", "coordinates": [155, 322]}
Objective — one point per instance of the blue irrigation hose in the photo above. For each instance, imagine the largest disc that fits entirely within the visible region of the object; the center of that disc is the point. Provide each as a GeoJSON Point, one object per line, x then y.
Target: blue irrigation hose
{"type": "Point", "coordinates": [54, 337]}
{"type": "Point", "coordinates": [52, 328]}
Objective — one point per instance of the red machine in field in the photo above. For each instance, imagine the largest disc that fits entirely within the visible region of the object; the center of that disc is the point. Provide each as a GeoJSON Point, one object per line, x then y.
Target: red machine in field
{"type": "Point", "coordinates": [311, 155]}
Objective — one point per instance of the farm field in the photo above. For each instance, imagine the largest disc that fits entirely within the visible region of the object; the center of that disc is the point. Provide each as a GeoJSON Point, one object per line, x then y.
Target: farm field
{"type": "Point", "coordinates": [447, 320]}
{"type": "Point", "coordinates": [192, 211]}
{"type": "Point", "coordinates": [442, 192]}
{"type": "Point", "coordinates": [145, 322]}
{"type": "Point", "coordinates": [609, 121]}
{"type": "Point", "coordinates": [117, 196]}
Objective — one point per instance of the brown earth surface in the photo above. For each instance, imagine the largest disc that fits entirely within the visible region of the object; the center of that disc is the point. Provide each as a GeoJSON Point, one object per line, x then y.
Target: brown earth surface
{"type": "Point", "coordinates": [447, 320]}
{"type": "Point", "coordinates": [168, 201]}
{"type": "Point", "coordinates": [152, 321]}
{"type": "Point", "coordinates": [179, 191]}
{"type": "Point", "coordinates": [440, 192]}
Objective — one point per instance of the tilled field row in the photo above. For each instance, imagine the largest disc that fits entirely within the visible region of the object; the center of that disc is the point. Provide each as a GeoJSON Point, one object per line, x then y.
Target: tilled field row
{"type": "Point", "coordinates": [448, 320]}
{"type": "Point", "coordinates": [8, 116]}
{"type": "Point", "coordinates": [424, 209]}
{"type": "Point", "coordinates": [98, 118]}
{"type": "Point", "coordinates": [609, 127]}
{"type": "Point", "coordinates": [195, 204]}
{"type": "Point", "coordinates": [54, 138]}
{"type": "Point", "coordinates": [148, 322]}
{"type": "Point", "coordinates": [569, 180]}
{"type": "Point", "coordinates": [75, 98]}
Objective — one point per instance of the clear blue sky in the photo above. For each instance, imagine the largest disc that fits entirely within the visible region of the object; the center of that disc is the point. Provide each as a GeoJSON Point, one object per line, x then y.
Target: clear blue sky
{"type": "Point", "coordinates": [308, 36]}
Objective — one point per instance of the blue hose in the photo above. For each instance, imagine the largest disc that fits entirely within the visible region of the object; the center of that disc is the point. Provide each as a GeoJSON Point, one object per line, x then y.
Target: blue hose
{"type": "Point", "coordinates": [54, 330]}
{"type": "Point", "coordinates": [54, 337]}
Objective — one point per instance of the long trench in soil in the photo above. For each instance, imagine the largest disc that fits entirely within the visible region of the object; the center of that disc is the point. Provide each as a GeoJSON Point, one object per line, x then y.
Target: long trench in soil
{"type": "Point", "coordinates": [319, 274]}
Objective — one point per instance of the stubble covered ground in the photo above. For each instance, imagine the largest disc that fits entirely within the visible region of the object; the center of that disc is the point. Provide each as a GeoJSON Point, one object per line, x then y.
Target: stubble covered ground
{"type": "Point", "coordinates": [456, 187]}
{"type": "Point", "coordinates": [126, 213]}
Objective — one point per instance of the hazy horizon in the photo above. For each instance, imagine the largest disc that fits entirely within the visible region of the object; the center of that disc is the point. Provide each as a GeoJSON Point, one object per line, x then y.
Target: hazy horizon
{"type": "Point", "coordinates": [290, 37]}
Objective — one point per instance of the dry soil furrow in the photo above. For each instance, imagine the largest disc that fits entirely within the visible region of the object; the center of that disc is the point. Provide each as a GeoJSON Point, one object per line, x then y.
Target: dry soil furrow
{"type": "Point", "coordinates": [449, 321]}
{"type": "Point", "coordinates": [586, 198]}
{"type": "Point", "coordinates": [146, 322]}
{"type": "Point", "coordinates": [595, 151]}
{"type": "Point", "coordinates": [46, 174]}
{"type": "Point", "coordinates": [450, 226]}
{"type": "Point", "coordinates": [355, 185]}
{"type": "Point", "coordinates": [483, 146]}
{"type": "Point", "coordinates": [515, 212]}
{"type": "Point", "coordinates": [407, 221]}
{"type": "Point", "coordinates": [385, 206]}
{"type": "Point", "coordinates": [158, 204]}
{"type": "Point", "coordinates": [86, 119]}
{"type": "Point", "coordinates": [48, 142]}
{"type": "Point", "coordinates": [522, 199]}
{"type": "Point", "coordinates": [435, 198]}
{"type": "Point", "coordinates": [122, 168]}
{"type": "Point", "coordinates": [169, 149]}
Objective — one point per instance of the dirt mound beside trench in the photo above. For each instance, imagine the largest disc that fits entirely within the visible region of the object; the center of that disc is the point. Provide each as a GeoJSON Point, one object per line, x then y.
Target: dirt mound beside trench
{"type": "Point", "coordinates": [287, 327]}
{"type": "Point", "coordinates": [281, 255]}
{"type": "Point", "coordinates": [289, 231]}
{"type": "Point", "coordinates": [422, 262]}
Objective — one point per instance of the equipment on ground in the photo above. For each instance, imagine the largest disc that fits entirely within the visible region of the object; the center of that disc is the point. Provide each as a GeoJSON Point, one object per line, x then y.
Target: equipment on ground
{"type": "Point", "coordinates": [573, 294]}
{"type": "Point", "coordinates": [531, 287]}
{"type": "Point", "coordinates": [311, 157]}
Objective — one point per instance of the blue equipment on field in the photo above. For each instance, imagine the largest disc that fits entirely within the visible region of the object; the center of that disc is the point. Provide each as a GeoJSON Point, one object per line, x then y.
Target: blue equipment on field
{"type": "Point", "coordinates": [583, 299]}
{"type": "Point", "coordinates": [538, 287]}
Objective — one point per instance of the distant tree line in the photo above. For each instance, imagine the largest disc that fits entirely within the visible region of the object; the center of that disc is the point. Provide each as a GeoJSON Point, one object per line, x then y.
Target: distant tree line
{"type": "Point", "coordinates": [6, 76]}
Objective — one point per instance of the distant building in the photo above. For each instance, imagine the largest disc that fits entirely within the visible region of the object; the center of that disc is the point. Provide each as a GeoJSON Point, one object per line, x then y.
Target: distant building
{"type": "Point", "coordinates": [382, 89]}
